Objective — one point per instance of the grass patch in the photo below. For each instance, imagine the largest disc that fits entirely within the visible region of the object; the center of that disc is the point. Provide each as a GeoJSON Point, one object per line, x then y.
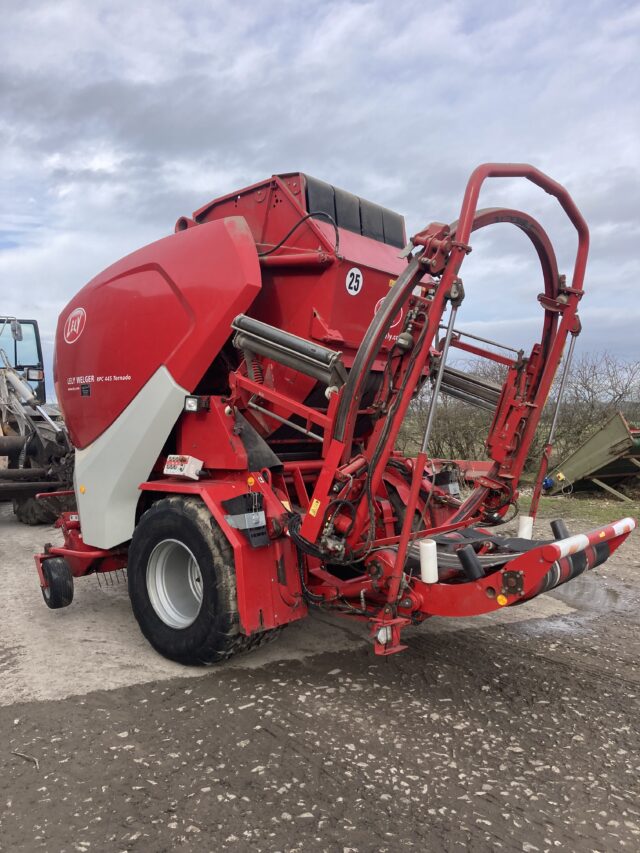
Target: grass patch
{"type": "Point", "coordinates": [595, 510]}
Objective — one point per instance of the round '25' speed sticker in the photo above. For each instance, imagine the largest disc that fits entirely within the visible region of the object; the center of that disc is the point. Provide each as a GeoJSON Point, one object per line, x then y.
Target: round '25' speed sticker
{"type": "Point", "coordinates": [354, 281]}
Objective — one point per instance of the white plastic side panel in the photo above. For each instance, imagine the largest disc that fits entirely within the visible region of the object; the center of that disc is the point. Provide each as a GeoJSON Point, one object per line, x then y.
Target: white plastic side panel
{"type": "Point", "coordinates": [109, 471]}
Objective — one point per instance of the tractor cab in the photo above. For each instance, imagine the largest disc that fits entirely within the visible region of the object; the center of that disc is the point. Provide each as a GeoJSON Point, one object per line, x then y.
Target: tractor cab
{"type": "Point", "coordinates": [20, 342]}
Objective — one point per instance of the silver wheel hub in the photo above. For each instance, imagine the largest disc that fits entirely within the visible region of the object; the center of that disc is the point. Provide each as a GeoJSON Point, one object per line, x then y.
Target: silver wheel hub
{"type": "Point", "coordinates": [174, 584]}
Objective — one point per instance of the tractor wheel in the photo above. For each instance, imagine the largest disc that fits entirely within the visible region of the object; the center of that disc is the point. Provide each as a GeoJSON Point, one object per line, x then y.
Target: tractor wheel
{"type": "Point", "coordinates": [59, 592]}
{"type": "Point", "coordinates": [182, 584]}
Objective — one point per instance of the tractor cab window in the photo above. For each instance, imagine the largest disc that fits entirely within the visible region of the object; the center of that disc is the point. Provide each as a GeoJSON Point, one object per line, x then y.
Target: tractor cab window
{"type": "Point", "coordinates": [24, 353]}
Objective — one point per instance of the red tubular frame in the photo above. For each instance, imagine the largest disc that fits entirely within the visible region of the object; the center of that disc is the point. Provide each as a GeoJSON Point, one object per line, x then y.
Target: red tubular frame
{"type": "Point", "coordinates": [490, 593]}
{"type": "Point", "coordinates": [524, 170]}
{"type": "Point", "coordinates": [458, 252]}
{"type": "Point", "coordinates": [509, 457]}
{"type": "Point", "coordinates": [458, 249]}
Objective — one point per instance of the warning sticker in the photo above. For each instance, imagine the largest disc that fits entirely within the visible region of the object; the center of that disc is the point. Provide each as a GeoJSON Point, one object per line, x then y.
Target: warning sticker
{"type": "Point", "coordinates": [315, 506]}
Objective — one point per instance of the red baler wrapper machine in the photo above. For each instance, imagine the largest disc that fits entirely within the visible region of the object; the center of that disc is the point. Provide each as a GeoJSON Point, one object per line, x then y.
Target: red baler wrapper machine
{"type": "Point", "coordinates": [234, 393]}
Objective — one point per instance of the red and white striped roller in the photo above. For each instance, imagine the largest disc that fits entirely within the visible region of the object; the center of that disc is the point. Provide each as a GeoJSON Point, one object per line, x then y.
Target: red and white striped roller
{"type": "Point", "coordinates": [577, 543]}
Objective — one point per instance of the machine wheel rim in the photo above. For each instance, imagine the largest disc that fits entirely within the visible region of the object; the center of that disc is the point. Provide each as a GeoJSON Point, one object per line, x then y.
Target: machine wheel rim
{"type": "Point", "coordinates": [174, 584]}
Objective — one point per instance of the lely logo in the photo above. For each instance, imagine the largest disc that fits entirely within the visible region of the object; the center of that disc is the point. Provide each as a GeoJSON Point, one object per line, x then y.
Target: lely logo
{"type": "Point", "coordinates": [74, 324]}
{"type": "Point", "coordinates": [398, 318]}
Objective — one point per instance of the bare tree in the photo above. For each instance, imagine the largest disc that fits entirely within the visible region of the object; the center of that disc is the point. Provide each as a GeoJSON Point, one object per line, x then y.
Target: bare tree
{"type": "Point", "coordinates": [598, 385]}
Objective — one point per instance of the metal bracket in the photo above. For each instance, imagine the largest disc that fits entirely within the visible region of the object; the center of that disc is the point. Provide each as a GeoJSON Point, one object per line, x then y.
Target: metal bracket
{"type": "Point", "coordinates": [512, 583]}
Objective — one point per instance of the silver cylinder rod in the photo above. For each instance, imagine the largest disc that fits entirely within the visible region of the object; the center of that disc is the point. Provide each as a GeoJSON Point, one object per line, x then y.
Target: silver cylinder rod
{"type": "Point", "coordinates": [436, 387]}
{"type": "Point", "coordinates": [273, 415]}
{"type": "Point", "coordinates": [563, 382]}
{"type": "Point", "coordinates": [56, 427]}
{"type": "Point", "coordinates": [461, 334]}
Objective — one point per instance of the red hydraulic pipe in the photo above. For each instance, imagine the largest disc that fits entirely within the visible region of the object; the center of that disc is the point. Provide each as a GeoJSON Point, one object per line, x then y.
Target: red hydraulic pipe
{"type": "Point", "coordinates": [304, 465]}
{"type": "Point", "coordinates": [301, 259]}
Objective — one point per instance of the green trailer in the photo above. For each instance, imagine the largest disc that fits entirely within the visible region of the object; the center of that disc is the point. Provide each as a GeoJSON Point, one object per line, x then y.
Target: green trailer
{"type": "Point", "coordinates": [609, 458]}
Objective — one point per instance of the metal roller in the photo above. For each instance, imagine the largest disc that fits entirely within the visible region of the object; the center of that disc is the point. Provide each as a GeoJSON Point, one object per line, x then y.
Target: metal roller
{"type": "Point", "coordinates": [470, 388]}
{"type": "Point", "coordinates": [311, 359]}
{"type": "Point", "coordinates": [467, 398]}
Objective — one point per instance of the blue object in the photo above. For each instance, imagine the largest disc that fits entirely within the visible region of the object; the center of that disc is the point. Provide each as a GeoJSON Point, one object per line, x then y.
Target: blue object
{"type": "Point", "coordinates": [547, 482]}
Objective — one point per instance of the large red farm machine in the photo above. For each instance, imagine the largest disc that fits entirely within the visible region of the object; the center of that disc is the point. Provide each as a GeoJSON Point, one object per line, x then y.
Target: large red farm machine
{"type": "Point", "coordinates": [234, 393]}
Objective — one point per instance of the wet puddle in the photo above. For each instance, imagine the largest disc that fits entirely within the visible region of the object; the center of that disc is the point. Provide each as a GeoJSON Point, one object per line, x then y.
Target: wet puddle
{"type": "Point", "coordinates": [589, 596]}
{"type": "Point", "coordinates": [590, 593]}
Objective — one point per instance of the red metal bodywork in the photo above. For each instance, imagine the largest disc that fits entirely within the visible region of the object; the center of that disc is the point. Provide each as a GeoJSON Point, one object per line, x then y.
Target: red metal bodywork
{"type": "Point", "coordinates": [344, 507]}
{"type": "Point", "coordinates": [169, 304]}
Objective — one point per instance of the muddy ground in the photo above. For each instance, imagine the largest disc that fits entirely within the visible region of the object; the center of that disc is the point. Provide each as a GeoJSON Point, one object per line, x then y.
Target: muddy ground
{"type": "Point", "coordinates": [516, 732]}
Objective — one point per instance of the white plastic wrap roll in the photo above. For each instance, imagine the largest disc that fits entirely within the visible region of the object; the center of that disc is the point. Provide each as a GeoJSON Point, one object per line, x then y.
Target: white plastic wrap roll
{"type": "Point", "coordinates": [525, 527]}
{"type": "Point", "coordinates": [428, 561]}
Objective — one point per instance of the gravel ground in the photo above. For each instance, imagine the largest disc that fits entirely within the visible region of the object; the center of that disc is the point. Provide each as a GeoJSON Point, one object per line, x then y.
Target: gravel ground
{"type": "Point", "coordinates": [515, 732]}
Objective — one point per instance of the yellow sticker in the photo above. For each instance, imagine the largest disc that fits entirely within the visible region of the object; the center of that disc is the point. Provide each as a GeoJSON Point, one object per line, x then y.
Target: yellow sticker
{"type": "Point", "coordinates": [315, 506]}
{"type": "Point", "coordinates": [250, 481]}
{"type": "Point", "coordinates": [392, 281]}
{"type": "Point", "coordinates": [82, 490]}
{"type": "Point", "coordinates": [501, 599]}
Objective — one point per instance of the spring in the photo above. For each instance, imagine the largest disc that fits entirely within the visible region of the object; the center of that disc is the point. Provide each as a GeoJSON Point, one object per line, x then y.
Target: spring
{"type": "Point", "coordinates": [258, 372]}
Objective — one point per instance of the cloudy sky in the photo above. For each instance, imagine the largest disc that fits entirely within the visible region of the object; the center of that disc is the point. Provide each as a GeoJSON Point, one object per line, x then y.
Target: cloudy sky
{"type": "Point", "coordinates": [117, 117]}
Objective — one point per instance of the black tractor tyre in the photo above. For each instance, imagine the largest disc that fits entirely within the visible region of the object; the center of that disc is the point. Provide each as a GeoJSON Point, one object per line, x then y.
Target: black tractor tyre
{"type": "Point", "coordinates": [59, 592]}
{"type": "Point", "coordinates": [213, 635]}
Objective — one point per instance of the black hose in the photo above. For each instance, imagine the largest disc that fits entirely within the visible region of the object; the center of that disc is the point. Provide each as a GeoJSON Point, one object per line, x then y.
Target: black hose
{"type": "Point", "coordinates": [380, 446]}
{"type": "Point", "coordinates": [306, 592]}
{"type": "Point", "coordinates": [294, 522]}
{"type": "Point", "coordinates": [304, 218]}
